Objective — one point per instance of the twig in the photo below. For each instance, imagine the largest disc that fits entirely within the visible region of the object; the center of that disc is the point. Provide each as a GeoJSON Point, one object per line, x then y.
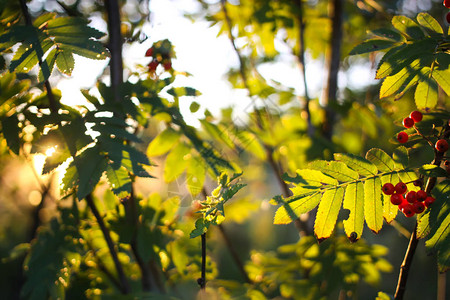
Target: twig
{"type": "Point", "coordinates": [234, 254]}
{"type": "Point", "coordinates": [333, 60]}
{"type": "Point", "coordinates": [299, 224]}
{"type": "Point", "coordinates": [124, 285]}
{"type": "Point", "coordinates": [202, 280]}
{"type": "Point", "coordinates": [302, 64]}
{"type": "Point", "coordinates": [406, 264]}
{"type": "Point", "coordinates": [115, 47]}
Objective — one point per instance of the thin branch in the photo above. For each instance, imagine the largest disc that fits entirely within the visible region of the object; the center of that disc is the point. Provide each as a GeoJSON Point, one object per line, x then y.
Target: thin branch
{"type": "Point", "coordinates": [234, 253]}
{"type": "Point", "coordinates": [124, 285]}
{"type": "Point", "coordinates": [406, 264]}
{"type": "Point", "coordinates": [299, 224]}
{"type": "Point", "coordinates": [115, 46]}
{"type": "Point", "coordinates": [333, 60]}
{"type": "Point", "coordinates": [202, 280]}
{"type": "Point", "coordinates": [302, 64]}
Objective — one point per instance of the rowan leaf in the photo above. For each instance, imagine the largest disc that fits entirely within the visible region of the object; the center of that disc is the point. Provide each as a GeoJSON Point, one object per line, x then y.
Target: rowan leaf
{"type": "Point", "coordinates": [327, 212]}
{"type": "Point", "coordinates": [335, 169]}
{"type": "Point", "coordinates": [291, 211]}
{"type": "Point", "coordinates": [381, 160]}
{"type": "Point", "coordinates": [359, 164]}
{"type": "Point", "coordinates": [430, 23]}
{"type": "Point", "coordinates": [176, 162]}
{"type": "Point", "coordinates": [163, 142]}
{"type": "Point", "coordinates": [426, 94]}
{"type": "Point", "coordinates": [408, 27]}
{"type": "Point", "coordinates": [373, 206]}
{"type": "Point", "coordinates": [371, 46]}
{"type": "Point", "coordinates": [354, 202]}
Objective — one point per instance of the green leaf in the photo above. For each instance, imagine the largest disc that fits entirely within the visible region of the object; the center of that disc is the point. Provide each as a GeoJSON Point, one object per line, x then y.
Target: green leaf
{"type": "Point", "coordinates": [327, 213]}
{"type": "Point", "coordinates": [50, 61]}
{"type": "Point", "coordinates": [441, 242]}
{"type": "Point", "coordinates": [195, 175]}
{"type": "Point", "coordinates": [371, 46]}
{"type": "Point", "coordinates": [388, 34]}
{"type": "Point", "coordinates": [183, 91]}
{"type": "Point", "coordinates": [176, 162]}
{"type": "Point", "coordinates": [119, 181]}
{"type": "Point", "coordinates": [194, 107]}
{"type": "Point", "coordinates": [373, 207]}
{"type": "Point", "coordinates": [429, 23]}
{"type": "Point", "coordinates": [218, 132]}
{"type": "Point", "coordinates": [291, 211]}
{"type": "Point", "coordinates": [441, 72]}
{"type": "Point", "coordinates": [381, 160]}
{"type": "Point", "coordinates": [405, 78]}
{"type": "Point", "coordinates": [163, 142]}
{"type": "Point", "coordinates": [313, 178]}
{"type": "Point", "coordinates": [402, 57]}
{"type": "Point", "coordinates": [426, 94]}
{"type": "Point", "coordinates": [401, 158]}
{"type": "Point", "coordinates": [335, 169]}
{"type": "Point", "coordinates": [11, 131]}
{"type": "Point", "coordinates": [89, 49]}
{"type": "Point", "coordinates": [65, 62]}
{"type": "Point", "coordinates": [384, 296]}
{"type": "Point", "coordinates": [354, 201]}
{"type": "Point", "coordinates": [249, 142]}
{"type": "Point", "coordinates": [433, 171]}
{"type": "Point", "coordinates": [201, 227]}
{"type": "Point", "coordinates": [423, 225]}
{"type": "Point", "coordinates": [357, 163]}
{"type": "Point", "coordinates": [408, 27]}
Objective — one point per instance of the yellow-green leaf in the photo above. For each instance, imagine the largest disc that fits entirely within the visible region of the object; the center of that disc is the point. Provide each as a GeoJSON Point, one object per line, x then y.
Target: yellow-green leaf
{"type": "Point", "coordinates": [426, 94]}
{"type": "Point", "coordinates": [195, 175]}
{"type": "Point", "coordinates": [163, 142]}
{"type": "Point", "coordinates": [327, 213]}
{"type": "Point", "coordinates": [291, 211]}
{"type": "Point", "coordinates": [373, 207]}
{"type": "Point", "coordinates": [354, 201]}
{"type": "Point", "coordinates": [176, 162]}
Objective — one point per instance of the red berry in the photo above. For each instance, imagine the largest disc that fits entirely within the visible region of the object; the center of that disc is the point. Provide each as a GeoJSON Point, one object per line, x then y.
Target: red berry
{"type": "Point", "coordinates": [446, 3]}
{"type": "Point", "coordinates": [441, 145]}
{"type": "Point", "coordinates": [429, 201]}
{"type": "Point", "coordinates": [167, 65]}
{"type": "Point", "coordinates": [402, 205]}
{"type": "Point", "coordinates": [400, 188]}
{"type": "Point", "coordinates": [149, 52]}
{"type": "Point", "coordinates": [408, 122]}
{"type": "Point", "coordinates": [388, 188]}
{"type": "Point", "coordinates": [416, 116]}
{"type": "Point", "coordinates": [408, 210]}
{"type": "Point", "coordinates": [153, 65]}
{"type": "Point", "coordinates": [447, 17]}
{"type": "Point", "coordinates": [411, 197]}
{"type": "Point", "coordinates": [402, 137]}
{"type": "Point", "coordinates": [396, 199]}
{"type": "Point", "coordinates": [421, 195]}
{"type": "Point", "coordinates": [418, 207]}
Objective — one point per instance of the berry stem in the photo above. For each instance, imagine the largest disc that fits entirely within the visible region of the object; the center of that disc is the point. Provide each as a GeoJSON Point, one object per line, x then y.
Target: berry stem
{"type": "Point", "coordinates": [406, 264]}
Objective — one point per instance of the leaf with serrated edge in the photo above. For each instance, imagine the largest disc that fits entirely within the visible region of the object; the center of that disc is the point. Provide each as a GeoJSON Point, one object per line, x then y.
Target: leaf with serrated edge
{"type": "Point", "coordinates": [289, 212]}
{"type": "Point", "coordinates": [354, 201]}
{"type": "Point", "coordinates": [423, 225]}
{"type": "Point", "coordinates": [440, 242]}
{"type": "Point", "coordinates": [371, 46]}
{"type": "Point", "coordinates": [427, 21]}
{"type": "Point", "coordinates": [380, 159]}
{"type": "Point", "coordinates": [308, 177]}
{"type": "Point", "coordinates": [442, 77]}
{"type": "Point", "coordinates": [401, 158]}
{"type": "Point", "coordinates": [373, 207]}
{"type": "Point", "coordinates": [65, 62]}
{"type": "Point", "coordinates": [426, 94]}
{"type": "Point", "coordinates": [119, 180]}
{"type": "Point", "coordinates": [390, 210]}
{"type": "Point", "coordinates": [407, 26]}
{"type": "Point", "coordinates": [335, 169]}
{"type": "Point", "coordinates": [357, 163]}
{"type": "Point", "coordinates": [327, 212]}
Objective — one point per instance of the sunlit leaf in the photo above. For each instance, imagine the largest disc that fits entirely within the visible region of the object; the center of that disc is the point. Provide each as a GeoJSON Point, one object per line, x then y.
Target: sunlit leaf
{"type": "Point", "coordinates": [163, 142]}
{"type": "Point", "coordinates": [430, 23]}
{"type": "Point", "coordinates": [291, 211]}
{"type": "Point", "coordinates": [327, 213]}
{"type": "Point", "coordinates": [373, 206]}
{"type": "Point", "coordinates": [408, 27]}
{"type": "Point", "coordinates": [359, 164]}
{"type": "Point", "coordinates": [354, 202]}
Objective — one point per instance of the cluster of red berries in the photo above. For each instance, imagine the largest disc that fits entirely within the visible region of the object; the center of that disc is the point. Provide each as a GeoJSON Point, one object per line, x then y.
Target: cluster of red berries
{"type": "Point", "coordinates": [408, 122]}
{"type": "Point", "coordinates": [409, 203]}
{"type": "Point", "coordinates": [161, 54]}
{"type": "Point", "coordinates": [447, 4]}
